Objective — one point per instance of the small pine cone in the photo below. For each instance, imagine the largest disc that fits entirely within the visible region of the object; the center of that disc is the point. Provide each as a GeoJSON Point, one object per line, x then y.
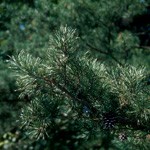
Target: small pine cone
{"type": "Point", "coordinates": [109, 120]}
{"type": "Point", "coordinates": [122, 136]}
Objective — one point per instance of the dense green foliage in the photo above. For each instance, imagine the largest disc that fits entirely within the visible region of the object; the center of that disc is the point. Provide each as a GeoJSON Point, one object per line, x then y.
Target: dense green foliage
{"type": "Point", "coordinates": [76, 99]}
{"type": "Point", "coordinates": [114, 36]}
{"type": "Point", "coordinates": [83, 86]}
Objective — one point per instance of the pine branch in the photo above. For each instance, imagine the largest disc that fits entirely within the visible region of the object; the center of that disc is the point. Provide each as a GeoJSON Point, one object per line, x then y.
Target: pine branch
{"type": "Point", "coordinates": [106, 53]}
{"type": "Point", "coordinates": [62, 88]}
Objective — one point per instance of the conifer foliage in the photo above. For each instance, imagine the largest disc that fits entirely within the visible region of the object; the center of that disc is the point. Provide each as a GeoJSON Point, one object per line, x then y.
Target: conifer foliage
{"type": "Point", "coordinates": [76, 102]}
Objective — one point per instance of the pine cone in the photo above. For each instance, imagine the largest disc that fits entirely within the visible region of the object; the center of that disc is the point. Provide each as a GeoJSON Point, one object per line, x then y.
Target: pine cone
{"type": "Point", "coordinates": [122, 136]}
{"type": "Point", "coordinates": [109, 120]}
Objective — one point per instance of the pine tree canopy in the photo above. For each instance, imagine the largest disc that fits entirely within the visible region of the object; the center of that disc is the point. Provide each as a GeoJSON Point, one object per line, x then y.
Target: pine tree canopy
{"type": "Point", "coordinates": [79, 102]}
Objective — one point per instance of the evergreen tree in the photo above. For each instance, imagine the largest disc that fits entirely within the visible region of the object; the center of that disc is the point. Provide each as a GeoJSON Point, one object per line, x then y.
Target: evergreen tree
{"type": "Point", "coordinates": [113, 37]}
{"type": "Point", "coordinates": [78, 102]}
{"type": "Point", "coordinates": [113, 40]}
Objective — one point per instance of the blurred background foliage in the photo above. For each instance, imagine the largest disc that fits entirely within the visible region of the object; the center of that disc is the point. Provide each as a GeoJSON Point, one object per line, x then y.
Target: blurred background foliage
{"type": "Point", "coordinates": [115, 31]}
